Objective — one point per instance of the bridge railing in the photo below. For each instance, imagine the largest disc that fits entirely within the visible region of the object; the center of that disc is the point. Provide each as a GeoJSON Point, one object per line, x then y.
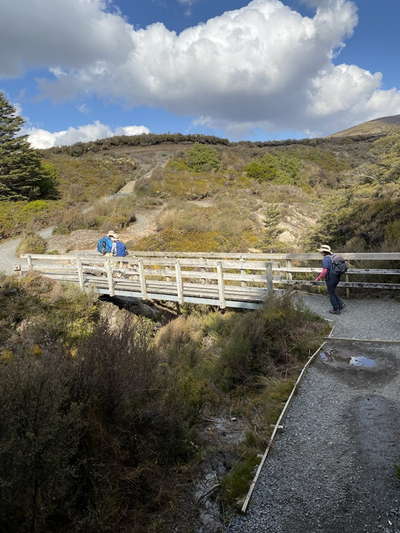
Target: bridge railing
{"type": "Point", "coordinates": [222, 279]}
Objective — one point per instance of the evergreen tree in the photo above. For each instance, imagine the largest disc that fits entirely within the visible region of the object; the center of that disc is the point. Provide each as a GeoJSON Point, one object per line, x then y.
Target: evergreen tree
{"type": "Point", "coordinates": [22, 176]}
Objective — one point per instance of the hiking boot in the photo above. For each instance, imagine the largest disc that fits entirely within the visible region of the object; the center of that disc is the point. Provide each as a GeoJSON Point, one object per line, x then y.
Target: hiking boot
{"type": "Point", "coordinates": [343, 306]}
{"type": "Point", "coordinates": [334, 311]}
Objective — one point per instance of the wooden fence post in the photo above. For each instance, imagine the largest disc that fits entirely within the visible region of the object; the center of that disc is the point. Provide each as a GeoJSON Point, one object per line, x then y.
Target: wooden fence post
{"type": "Point", "coordinates": [289, 274]}
{"type": "Point", "coordinates": [242, 272]}
{"type": "Point", "coordinates": [29, 260]}
{"type": "Point", "coordinates": [179, 284]}
{"type": "Point", "coordinates": [221, 286]}
{"type": "Point", "coordinates": [80, 272]}
{"type": "Point", "coordinates": [347, 288]}
{"type": "Point", "coordinates": [142, 279]}
{"type": "Point", "coordinates": [109, 270]}
{"type": "Point", "coordinates": [270, 285]}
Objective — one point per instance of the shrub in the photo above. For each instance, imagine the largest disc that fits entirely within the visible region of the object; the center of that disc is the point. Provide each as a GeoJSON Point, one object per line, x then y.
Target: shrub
{"type": "Point", "coordinates": [32, 243]}
{"type": "Point", "coordinates": [278, 168]}
{"type": "Point", "coordinates": [87, 441]}
{"type": "Point", "coordinates": [202, 158]}
{"type": "Point", "coordinates": [257, 343]}
{"type": "Point", "coordinates": [226, 227]}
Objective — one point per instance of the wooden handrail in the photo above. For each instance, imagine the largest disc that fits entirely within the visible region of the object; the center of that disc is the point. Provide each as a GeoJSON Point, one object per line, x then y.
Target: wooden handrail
{"type": "Point", "coordinates": [232, 280]}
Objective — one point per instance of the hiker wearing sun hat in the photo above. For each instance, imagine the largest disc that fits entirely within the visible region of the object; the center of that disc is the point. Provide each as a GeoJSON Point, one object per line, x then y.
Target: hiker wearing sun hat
{"type": "Point", "coordinates": [104, 245]}
{"type": "Point", "coordinates": [333, 266]}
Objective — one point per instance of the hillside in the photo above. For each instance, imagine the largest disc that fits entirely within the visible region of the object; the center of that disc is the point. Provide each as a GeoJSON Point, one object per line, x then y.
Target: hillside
{"type": "Point", "coordinates": [384, 125]}
{"type": "Point", "coordinates": [199, 193]}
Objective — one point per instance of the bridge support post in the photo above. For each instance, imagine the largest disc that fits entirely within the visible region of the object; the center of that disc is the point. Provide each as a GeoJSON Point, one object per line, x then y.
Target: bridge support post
{"type": "Point", "coordinates": [179, 284]}
{"type": "Point", "coordinates": [221, 286]}
{"type": "Point", "coordinates": [270, 284]}
{"type": "Point", "coordinates": [29, 260]}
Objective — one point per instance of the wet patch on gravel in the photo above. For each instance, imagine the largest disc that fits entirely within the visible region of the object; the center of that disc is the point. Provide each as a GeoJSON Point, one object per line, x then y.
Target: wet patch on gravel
{"type": "Point", "coordinates": [359, 365]}
{"type": "Point", "coordinates": [332, 467]}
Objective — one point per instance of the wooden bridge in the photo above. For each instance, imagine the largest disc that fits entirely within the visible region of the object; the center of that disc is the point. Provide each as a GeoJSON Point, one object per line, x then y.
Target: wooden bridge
{"type": "Point", "coordinates": [240, 280]}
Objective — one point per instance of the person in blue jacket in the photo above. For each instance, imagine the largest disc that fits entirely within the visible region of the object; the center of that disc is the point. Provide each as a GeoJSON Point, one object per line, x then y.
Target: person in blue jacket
{"type": "Point", "coordinates": [331, 278]}
{"type": "Point", "coordinates": [104, 245]}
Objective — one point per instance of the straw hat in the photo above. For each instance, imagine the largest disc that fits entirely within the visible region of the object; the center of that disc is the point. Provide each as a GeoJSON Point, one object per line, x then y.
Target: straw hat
{"type": "Point", "coordinates": [325, 248]}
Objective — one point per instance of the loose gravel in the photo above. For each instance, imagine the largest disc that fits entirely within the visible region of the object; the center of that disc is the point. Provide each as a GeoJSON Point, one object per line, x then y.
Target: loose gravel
{"type": "Point", "coordinates": [332, 467]}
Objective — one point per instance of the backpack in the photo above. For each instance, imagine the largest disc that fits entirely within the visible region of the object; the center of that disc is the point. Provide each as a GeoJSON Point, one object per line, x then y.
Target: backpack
{"type": "Point", "coordinates": [120, 249]}
{"type": "Point", "coordinates": [339, 265]}
{"type": "Point", "coordinates": [104, 245]}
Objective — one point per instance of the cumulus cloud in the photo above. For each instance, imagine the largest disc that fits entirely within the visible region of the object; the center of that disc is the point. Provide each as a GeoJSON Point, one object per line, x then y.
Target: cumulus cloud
{"type": "Point", "coordinates": [45, 33]}
{"type": "Point", "coordinates": [264, 65]}
{"type": "Point", "coordinates": [40, 138]}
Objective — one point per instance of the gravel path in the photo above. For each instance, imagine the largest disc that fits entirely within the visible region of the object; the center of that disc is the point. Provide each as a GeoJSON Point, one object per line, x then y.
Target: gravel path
{"type": "Point", "coordinates": [332, 468]}
{"type": "Point", "coordinates": [8, 249]}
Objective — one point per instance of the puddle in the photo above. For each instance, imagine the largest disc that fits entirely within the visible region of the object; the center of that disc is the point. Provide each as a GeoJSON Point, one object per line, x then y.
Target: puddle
{"type": "Point", "coordinates": [362, 361]}
{"type": "Point", "coordinates": [342, 360]}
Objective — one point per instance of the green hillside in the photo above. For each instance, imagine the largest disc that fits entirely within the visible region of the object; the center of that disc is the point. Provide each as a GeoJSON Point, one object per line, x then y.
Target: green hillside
{"type": "Point", "coordinates": [384, 125]}
{"type": "Point", "coordinates": [199, 193]}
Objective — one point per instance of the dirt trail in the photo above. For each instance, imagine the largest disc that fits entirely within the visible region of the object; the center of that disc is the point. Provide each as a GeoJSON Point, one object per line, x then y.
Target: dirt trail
{"type": "Point", "coordinates": [145, 221]}
{"type": "Point", "coordinates": [8, 251]}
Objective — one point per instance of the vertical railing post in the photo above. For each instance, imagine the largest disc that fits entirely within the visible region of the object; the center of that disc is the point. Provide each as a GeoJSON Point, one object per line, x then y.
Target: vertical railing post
{"type": "Point", "coordinates": [242, 272]}
{"type": "Point", "coordinates": [270, 284]}
{"type": "Point", "coordinates": [142, 279]}
{"type": "Point", "coordinates": [221, 286]}
{"type": "Point", "coordinates": [347, 279]}
{"type": "Point", "coordinates": [80, 273]}
{"type": "Point", "coordinates": [29, 260]}
{"type": "Point", "coordinates": [179, 284]}
{"type": "Point", "coordinates": [109, 270]}
{"type": "Point", "coordinates": [289, 274]}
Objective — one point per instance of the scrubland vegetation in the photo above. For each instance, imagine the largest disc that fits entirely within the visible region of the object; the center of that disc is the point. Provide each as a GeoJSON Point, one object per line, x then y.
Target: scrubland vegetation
{"type": "Point", "coordinates": [222, 196]}
{"type": "Point", "coordinates": [99, 414]}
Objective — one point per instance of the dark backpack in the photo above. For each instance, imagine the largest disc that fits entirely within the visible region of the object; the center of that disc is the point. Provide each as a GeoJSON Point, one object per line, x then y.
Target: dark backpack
{"type": "Point", "coordinates": [339, 265]}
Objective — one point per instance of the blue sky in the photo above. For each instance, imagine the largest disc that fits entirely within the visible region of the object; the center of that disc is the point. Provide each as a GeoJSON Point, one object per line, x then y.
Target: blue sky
{"type": "Point", "coordinates": [269, 69]}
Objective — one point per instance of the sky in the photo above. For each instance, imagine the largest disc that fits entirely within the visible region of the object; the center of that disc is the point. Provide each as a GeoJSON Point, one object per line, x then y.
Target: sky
{"type": "Point", "coordinates": [78, 70]}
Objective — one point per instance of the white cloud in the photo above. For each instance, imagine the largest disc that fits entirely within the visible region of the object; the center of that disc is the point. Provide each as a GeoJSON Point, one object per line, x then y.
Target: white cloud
{"type": "Point", "coordinates": [49, 33]}
{"type": "Point", "coordinates": [188, 4]}
{"type": "Point", "coordinates": [264, 65]}
{"type": "Point", "coordinates": [40, 138]}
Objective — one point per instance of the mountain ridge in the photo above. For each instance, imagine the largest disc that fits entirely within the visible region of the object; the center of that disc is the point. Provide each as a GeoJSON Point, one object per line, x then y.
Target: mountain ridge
{"type": "Point", "coordinates": [381, 125]}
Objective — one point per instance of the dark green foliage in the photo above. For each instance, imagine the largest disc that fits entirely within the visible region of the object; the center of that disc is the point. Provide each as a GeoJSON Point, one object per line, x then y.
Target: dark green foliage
{"type": "Point", "coordinates": [202, 158]}
{"type": "Point", "coordinates": [280, 168]}
{"type": "Point", "coordinates": [255, 344]}
{"type": "Point", "coordinates": [22, 176]}
{"type": "Point", "coordinates": [271, 233]}
{"type": "Point", "coordinates": [150, 139]}
{"type": "Point", "coordinates": [87, 438]}
{"type": "Point", "coordinates": [359, 225]}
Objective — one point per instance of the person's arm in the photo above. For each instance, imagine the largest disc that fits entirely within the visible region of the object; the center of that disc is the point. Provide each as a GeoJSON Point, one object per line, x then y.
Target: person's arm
{"type": "Point", "coordinates": [322, 275]}
{"type": "Point", "coordinates": [326, 264]}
